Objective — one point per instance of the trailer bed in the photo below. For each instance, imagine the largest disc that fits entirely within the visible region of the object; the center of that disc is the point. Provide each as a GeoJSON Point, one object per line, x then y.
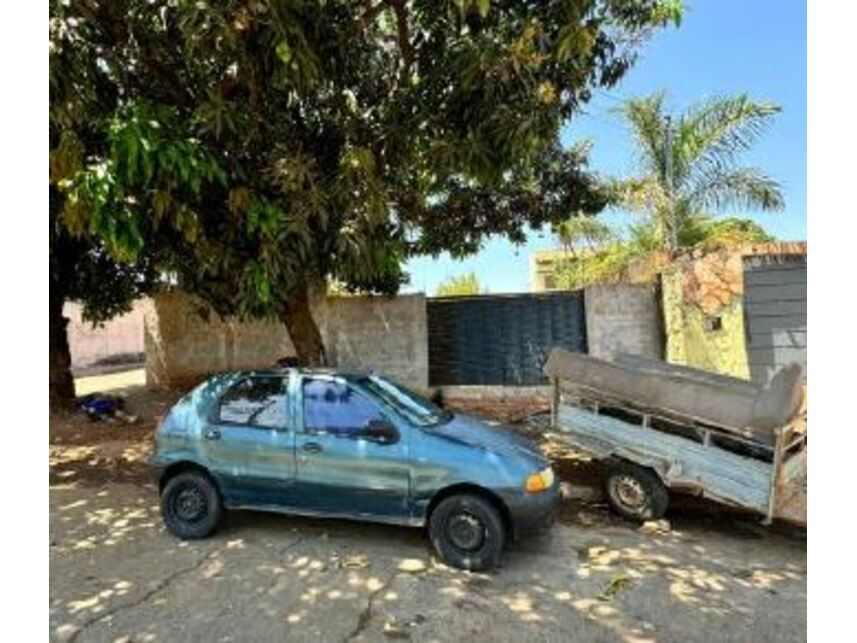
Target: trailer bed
{"type": "Point", "coordinates": [688, 454]}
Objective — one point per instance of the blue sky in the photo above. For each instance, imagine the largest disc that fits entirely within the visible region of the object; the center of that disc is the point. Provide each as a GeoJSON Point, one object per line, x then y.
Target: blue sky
{"type": "Point", "coordinates": [722, 47]}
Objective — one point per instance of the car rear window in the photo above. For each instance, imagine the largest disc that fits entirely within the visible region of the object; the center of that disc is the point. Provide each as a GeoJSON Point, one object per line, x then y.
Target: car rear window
{"type": "Point", "coordinates": [256, 401]}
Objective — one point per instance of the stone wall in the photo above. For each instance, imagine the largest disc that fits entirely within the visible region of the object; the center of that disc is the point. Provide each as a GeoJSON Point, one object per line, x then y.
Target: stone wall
{"type": "Point", "coordinates": [623, 318]}
{"type": "Point", "coordinates": [186, 341]}
{"type": "Point", "coordinates": [703, 306]}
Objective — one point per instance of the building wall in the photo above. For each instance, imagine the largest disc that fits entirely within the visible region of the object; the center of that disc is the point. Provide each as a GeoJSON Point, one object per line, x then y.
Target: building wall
{"type": "Point", "coordinates": [623, 318]}
{"type": "Point", "coordinates": [542, 268]}
{"type": "Point", "coordinates": [703, 307]}
{"type": "Point", "coordinates": [185, 341]}
{"type": "Point", "coordinates": [711, 341]}
{"type": "Point", "coordinates": [389, 335]}
{"type": "Point", "coordinates": [122, 335]}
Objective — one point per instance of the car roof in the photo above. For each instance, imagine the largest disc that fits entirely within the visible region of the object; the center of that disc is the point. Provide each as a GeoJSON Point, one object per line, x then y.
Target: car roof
{"type": "Point", "coordinates": [303, 370]}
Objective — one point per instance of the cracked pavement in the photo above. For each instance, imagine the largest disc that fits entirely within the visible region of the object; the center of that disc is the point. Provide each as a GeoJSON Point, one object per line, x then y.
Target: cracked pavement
{"type": "Point", "coordinates": [116, 575]}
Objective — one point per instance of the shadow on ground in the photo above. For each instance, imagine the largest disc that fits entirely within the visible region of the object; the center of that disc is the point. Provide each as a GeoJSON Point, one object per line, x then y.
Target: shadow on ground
{"type": "Point", "coordinates": [116, 575]}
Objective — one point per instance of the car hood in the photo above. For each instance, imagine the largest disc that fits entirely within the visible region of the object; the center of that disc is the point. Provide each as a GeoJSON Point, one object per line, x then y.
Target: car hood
{"type": "Point", "coordinates": [501, 440]}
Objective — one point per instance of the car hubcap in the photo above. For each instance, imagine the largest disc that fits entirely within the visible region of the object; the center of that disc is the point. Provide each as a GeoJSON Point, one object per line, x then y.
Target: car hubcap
{"type": "Point", "coordinates": [628, 492]}
{"type": "Point", "coordinates": [190, 504]}
{"type": "Point", "coordinates": [466, 531]}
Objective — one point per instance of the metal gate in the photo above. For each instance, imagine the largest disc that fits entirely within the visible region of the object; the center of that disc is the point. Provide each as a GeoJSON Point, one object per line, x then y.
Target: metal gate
{"type": "Point", "coordinates": [774, 313]}
{"type": "Point", "coordinates": [501, 339]}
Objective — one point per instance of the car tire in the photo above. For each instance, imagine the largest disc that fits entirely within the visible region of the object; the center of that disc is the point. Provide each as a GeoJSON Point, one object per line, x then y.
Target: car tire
{"type": "Point", "coordinates": [635, 492]}
{"type": "Point", "coordinates": [467, 532]}
{"type": "Point", "coordinates": [191, 506]}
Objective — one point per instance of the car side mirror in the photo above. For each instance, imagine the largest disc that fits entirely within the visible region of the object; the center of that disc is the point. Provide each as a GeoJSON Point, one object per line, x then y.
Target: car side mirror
{"type": "Point", "coordinates": [380, 431]}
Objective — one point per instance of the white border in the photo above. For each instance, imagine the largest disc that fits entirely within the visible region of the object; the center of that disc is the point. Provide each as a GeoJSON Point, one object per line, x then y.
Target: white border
{"type": "Point", "coordinates": [831, 317]}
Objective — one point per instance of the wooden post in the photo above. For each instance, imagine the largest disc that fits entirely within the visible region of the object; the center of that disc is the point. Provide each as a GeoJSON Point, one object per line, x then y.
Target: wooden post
{"type": "Point", "coordinates": [779, 448]}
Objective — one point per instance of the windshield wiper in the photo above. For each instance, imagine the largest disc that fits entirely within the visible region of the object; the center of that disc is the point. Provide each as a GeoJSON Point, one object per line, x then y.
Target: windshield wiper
{"type": "Point", "coordinates": [444, 417]}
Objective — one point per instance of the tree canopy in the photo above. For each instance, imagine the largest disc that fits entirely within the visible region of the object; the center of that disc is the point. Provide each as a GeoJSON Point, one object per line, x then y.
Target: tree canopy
{"type": "Point", "coordinates": [257, 149]}
{"type": "Point", "coordinates": [82, 269]}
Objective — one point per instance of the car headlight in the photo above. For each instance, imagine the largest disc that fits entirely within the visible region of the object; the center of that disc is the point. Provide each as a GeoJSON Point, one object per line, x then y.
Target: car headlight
{"type": "Point", "coordinates": [541, 481]}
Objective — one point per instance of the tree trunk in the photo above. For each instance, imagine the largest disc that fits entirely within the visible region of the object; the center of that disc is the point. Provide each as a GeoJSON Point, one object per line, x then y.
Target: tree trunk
{"type": "Point", "coordinates": [303, 330]}
{"type": "Point", "coordinates": [61, 381]}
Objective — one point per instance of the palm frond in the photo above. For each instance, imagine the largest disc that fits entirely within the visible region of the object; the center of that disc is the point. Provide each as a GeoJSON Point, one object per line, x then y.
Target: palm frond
{"type": "Point", "coordinates": [583, 229]}
{"type": "Point", "coordinates": [746, 188]}
{"type": "Point", "coordinates": [646, 118]}
{"type": "Point", "coordinates": [712, 134]}
{"type": "Point", "coordinates": [645, 194]}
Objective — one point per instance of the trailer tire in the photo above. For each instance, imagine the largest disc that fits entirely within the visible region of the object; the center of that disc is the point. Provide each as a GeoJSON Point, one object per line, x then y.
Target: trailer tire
{"type": "Point", "coordinates": [635, 492]}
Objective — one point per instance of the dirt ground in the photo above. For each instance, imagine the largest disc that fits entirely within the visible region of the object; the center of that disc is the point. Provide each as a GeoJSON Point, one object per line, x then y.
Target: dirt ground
{"type": "Point", "coordinates": [116, 575]}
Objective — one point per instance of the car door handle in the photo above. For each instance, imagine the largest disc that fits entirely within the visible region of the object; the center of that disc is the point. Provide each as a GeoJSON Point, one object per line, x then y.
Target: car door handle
{"type": "Point", "coordinates": [311, 447]}
{"type": "Point", "coordinates": [212, 434]}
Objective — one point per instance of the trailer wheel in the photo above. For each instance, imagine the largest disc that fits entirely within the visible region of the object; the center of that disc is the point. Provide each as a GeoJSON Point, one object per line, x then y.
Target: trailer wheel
{"type": "Point", "coordinates": [635, 492]}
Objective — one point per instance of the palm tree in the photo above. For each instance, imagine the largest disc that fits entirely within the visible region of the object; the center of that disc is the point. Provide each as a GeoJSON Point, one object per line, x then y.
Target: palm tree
{"type": "Point", "coordinates": [706, 176]}
{"type": "Point", "coordinates": [583, 230]}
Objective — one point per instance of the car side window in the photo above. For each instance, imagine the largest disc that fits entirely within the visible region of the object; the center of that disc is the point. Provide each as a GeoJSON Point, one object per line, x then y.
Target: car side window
{"type": "Point", "coordinates": [256, 401]}
{"type": "Point", "coordinates": [334, 408]}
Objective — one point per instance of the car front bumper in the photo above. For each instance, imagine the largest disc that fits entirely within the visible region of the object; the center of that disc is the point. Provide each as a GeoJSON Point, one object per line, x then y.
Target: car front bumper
{"type": "Point", "coordinates": [532, 513]}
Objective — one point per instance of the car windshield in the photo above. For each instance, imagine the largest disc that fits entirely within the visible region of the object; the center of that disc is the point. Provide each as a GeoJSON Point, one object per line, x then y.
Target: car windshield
{"type": "Point", "coordinates": [414, 407]}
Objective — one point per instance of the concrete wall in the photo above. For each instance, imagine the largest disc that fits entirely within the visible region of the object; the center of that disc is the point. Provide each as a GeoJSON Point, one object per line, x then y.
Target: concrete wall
{"type": "Point", "coordinates": [623, 318]}
{"type": "Point", "coordinates": [185, 341]}
{"type": "Point", "coordinates": [122, 335]}
{"type": "Point", "coordinates": [388, 335]}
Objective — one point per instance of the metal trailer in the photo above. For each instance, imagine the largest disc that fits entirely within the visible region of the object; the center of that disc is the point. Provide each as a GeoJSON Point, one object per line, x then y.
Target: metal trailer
{"type": "Point", "coordinates": [652, 450]}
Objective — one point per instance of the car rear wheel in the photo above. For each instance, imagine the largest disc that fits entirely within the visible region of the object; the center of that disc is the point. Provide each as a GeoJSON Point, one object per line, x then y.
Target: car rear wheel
{"type": "Point", "coordinates": [467, 532]}
{"type": "Point", "coordinates": [191, 505]}
{"type": "Point", "coordinates": [635, 492]}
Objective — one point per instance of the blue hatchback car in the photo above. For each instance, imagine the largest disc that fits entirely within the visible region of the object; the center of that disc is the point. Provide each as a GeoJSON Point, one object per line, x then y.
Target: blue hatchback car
{"type": "Point", "coordinates": [349, 445]}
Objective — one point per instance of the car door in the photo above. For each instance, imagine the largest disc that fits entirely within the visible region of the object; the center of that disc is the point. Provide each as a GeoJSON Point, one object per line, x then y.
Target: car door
{"type": "Point", "coordinates": [248, 441]}
{"type": "Point", "coordinates": [341, 470]}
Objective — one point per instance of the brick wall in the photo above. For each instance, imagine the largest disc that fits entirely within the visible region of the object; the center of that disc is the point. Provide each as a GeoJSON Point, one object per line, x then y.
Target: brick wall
{"type": "Point", "coordinates": [509, 404]}
{"type": "Point", "coordinates": [185, 341]}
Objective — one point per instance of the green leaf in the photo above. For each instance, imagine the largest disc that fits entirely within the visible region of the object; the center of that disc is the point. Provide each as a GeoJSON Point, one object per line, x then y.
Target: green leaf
{"type": "Point", "coordinates": [132, 145]}
{"type": "Point", "coordinates": [669, 11]}
{"type": "Point", "coordinates": [264, 289]}
{"type": "Point", "coordinates": [284, 52]}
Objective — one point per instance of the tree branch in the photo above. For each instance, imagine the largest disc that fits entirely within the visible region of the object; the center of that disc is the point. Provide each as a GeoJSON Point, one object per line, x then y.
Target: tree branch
{"type": "Point", "coordinates": [404, 34]}
{"type": "Point", "coordinates": [368, 16]}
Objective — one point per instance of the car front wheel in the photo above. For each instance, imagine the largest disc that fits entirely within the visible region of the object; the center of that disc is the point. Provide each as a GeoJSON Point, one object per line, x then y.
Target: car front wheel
{"type": "Point", "coordinates": [191, 506]}
{"type": "Point", "coordinates": [467, 532]}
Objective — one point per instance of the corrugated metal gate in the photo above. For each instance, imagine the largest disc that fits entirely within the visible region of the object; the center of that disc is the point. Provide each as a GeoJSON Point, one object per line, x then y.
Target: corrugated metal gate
{"type": "Point", "coordinates": [774, 313]}
{"type": "Point", "coordinates": [501, 339]}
